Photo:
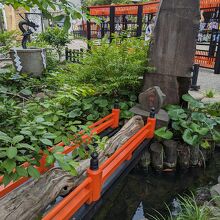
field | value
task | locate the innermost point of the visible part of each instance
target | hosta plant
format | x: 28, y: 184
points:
x: 194, y: 125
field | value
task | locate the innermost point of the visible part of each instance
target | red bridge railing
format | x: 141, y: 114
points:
x: 90, y: 189
x: 148, y: 8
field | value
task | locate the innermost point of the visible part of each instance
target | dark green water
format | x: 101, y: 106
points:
x: 138, y: 194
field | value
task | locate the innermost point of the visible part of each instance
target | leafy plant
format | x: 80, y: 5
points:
x: 56, y: 37
x: 7, y: 40
x: 114, y: 67
x: 48, y: 7
x: 210, y: 93
x: 193, y: 125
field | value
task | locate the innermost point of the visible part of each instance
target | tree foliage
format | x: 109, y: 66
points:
x: 48, y: 7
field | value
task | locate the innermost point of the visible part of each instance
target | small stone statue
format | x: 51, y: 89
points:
x: 28, y: 32
x: 152, y: 98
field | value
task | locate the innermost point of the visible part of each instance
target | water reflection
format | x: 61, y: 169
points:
x: 137, y: 195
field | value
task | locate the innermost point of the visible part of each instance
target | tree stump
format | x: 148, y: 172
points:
x: 183, y: 156
x: 170, y: 150
x: 29, y: 200
x: 157, y: 156
x: 194, y: 155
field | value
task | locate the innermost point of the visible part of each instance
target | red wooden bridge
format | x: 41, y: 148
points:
x: 148, y: 8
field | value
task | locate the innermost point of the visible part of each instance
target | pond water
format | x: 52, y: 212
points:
x: 141, y: 192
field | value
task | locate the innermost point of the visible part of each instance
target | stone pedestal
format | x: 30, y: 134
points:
x: 31, y: 61
x: 162, y: 116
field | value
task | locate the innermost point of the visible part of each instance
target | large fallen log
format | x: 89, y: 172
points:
x: 28, y: 201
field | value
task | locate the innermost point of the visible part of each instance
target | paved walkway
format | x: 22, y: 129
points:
x: 207, y: 80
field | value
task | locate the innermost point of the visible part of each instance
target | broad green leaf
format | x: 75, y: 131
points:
x: 47, y: 123
x: 176, y: 126
x: 164, y: 133
x: 4, y: 137
x: 58, y: 18
x: 197, y: 116
x: 24, y: 145
x: 65, y: 140
x: 87, y: 106
x: 172, y: 107
x: 192, y: 102
x: 39, y: 119
x: 21, y: 171
x: 200, y: 130
x: 49, y: 136
x: 90, y: 117
x: 50, y: 160
x: 190, y: 138
x: 26, y: 132
x: 103, y: 103
x: 21, y: 158
x: 209, y: 122
x: 67, y: 23
x: 188, y: 98
x: 75, y: 113
x: 126, y: 114
x: 27, y: 92
x: 65, y: 166
x: 6, y: 179
x: 58, y: 139
x: 9, y: 165
x: 217, y: 119
x: 46, y: 141
x: 133, y: 98
x: 123, y: 106
x: 57, y: 149
x: 73, y: 128
x: 73, y: 171
x: 33, y: 172
x: 205, y: 144
x: 81, y: 152
x: 59, y: 157
x: 216, y: 136
x: 177, y: 114
x: 17, y: 139
x: 11, y: 152
x: 2, y: 154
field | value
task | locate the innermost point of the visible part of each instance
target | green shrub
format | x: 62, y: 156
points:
x: 7, y: 40
x: 56, y: 37
x: 114, y: 67
x: 195, y: 126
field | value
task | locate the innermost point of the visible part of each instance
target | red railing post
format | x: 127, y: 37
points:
x: 151, y: 121
x: 95, y: 173
x: 116, y: 115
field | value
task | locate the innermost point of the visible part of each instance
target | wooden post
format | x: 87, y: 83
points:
x: 139, y: 20
x: 112, y: 22
x: 213, y: 43
x: 217, y: 60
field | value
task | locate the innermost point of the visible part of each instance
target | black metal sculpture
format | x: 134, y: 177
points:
x: 28, y: 32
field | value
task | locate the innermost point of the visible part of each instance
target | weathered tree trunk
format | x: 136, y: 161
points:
x: 157, y: 156
x: 28, y: 201
x: 127, y: 131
